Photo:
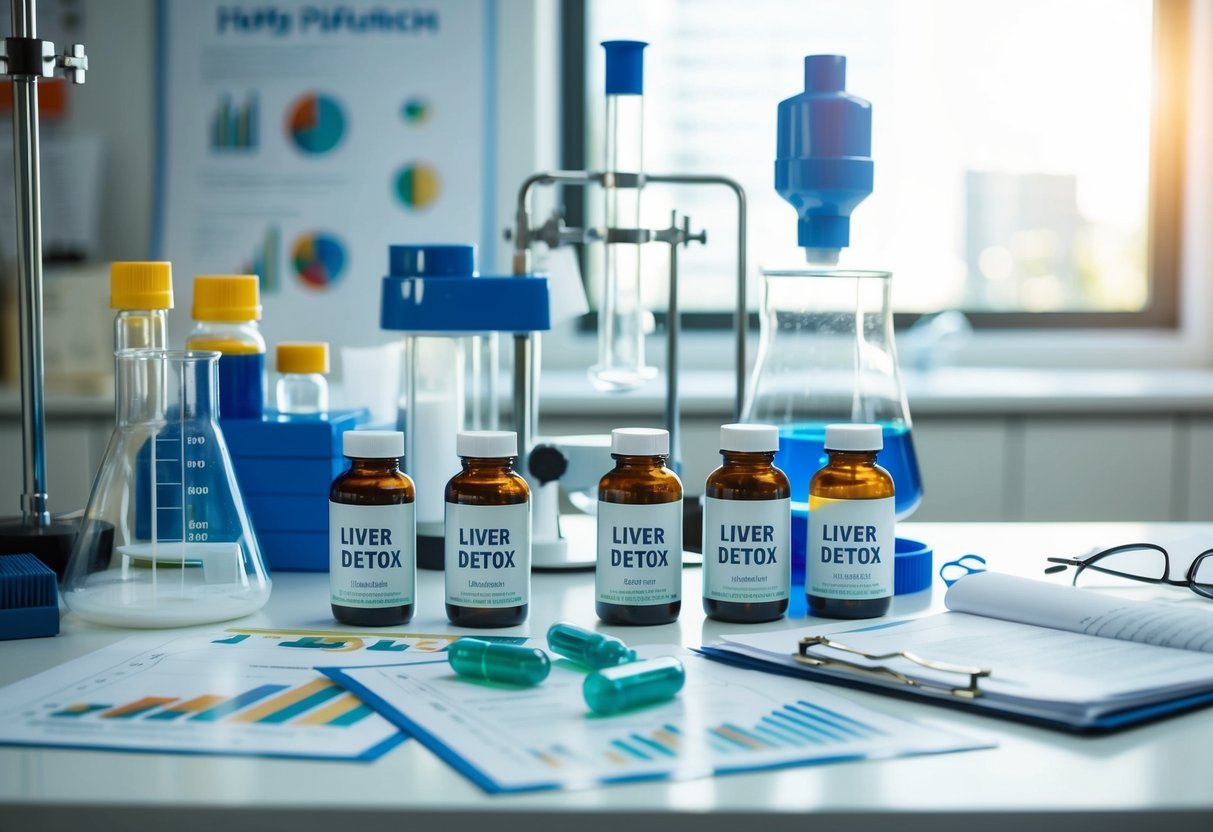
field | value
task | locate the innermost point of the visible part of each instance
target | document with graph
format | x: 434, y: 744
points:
x: 510, y: 739
x: 236, y: 691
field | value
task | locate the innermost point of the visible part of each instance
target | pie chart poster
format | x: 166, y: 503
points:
x: 298, y: 140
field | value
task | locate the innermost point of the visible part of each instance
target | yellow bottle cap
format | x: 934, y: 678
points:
x: 137, y: 285
x: 227, y: 297
x: 303, y: 357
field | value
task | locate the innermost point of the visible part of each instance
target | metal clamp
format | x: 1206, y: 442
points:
x: 74, y: 62
x: 36, y: 58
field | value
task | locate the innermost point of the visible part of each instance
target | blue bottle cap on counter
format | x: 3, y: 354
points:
x: 911, y: 566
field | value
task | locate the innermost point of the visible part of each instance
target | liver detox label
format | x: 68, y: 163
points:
x: 639, y: 553
x: 488, y: 555
x: 746, y: 550
x: 851, y: 548
x: 371, y: 554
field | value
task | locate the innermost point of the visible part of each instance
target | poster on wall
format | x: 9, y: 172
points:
x: 298, y: 139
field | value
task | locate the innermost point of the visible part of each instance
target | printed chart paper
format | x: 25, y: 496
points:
x: 237, y: 691
x: 725, y: 720
x: 298, y: 140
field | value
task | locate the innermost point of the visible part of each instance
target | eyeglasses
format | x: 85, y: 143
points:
x: 1146, y: 562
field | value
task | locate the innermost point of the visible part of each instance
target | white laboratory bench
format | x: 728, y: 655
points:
x: 1151, y: 777
x: 1140, y: 441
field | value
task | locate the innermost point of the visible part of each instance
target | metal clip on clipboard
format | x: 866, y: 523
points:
x: 971, y: 691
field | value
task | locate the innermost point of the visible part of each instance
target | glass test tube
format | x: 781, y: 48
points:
x: 621, y: 315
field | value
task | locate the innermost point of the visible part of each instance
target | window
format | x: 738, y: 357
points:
x: 1028, y: 152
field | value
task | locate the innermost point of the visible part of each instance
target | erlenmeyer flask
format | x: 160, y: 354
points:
x: 165, y: 540
x: 827, y: 355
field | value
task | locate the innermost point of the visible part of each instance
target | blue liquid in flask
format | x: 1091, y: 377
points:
x: 802, y: 454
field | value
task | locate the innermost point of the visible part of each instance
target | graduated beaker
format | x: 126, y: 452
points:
x: 827, y: 355
x: 165, y: 540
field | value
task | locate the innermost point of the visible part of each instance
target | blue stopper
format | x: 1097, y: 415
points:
x: 432, y: 261
x: 624, y: 67
x: 823, y: 163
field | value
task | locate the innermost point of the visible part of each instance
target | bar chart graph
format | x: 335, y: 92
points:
x: 797, y: 725
x: 235, y: 126
x: 723, y: 721
x: 273, y: 704
x: 239, y: 691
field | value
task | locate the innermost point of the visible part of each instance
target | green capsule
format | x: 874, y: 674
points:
x: 615, y: 689
x: 588, y: 647
x: 508, y: 663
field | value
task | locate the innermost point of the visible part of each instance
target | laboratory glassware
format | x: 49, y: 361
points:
x: 487, y: 534
x: 372, y: 504
x: 826, y: 354
x: 638, y: 576
x: 227, y: 308
x: 165, y: 540
x: 622, y: 316
x: 851, y: 503
x: 302, y: 388
x: 142, y: 294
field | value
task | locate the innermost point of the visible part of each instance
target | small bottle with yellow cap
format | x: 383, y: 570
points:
x: 226, y: 309
x: 302, y: 388
x: 142, y: 292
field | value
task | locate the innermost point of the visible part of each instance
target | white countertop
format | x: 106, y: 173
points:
x: 1040, y: 779
x: 941, y: 391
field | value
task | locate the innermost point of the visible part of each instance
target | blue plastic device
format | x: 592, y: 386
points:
x: 435, y: 289
x: 624, y: 67
x: 29, y: 599
x: 823, y: 156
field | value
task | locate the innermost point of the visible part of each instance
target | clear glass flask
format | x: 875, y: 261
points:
x: 826, y: 355
x: 165, y: 540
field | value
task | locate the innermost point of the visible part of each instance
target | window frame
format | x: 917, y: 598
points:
x: 1172, y: 66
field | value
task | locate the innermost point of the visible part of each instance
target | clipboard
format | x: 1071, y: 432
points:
x: 948, y: 684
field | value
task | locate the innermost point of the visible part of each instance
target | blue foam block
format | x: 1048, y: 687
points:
x: 29, y: 599
x: 302, y: 477
x: 289, y: 512
x: 293, y: 437
x: 295, y: 551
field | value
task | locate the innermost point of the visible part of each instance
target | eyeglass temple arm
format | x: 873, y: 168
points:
x: 1061, y: 564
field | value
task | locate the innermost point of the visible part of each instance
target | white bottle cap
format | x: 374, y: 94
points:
x: 373, y: 444
x: 749, y: 438
x: 486, y: 444
x: 852, y: 437
x: 640, y: 442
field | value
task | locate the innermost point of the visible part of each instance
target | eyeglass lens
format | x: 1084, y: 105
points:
x: 1202, y: 575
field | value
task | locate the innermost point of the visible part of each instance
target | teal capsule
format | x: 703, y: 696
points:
x: 588, y: 647
x: 508, y: 663
x: 615, y: 689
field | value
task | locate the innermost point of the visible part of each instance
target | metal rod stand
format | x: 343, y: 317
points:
x: 25, y: 59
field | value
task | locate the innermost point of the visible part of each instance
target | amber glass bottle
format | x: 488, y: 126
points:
x: 849, y: 565
x: 372, y: 533
x: 747, y: 569
x: 488, y: 534
x: 638, y: 576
